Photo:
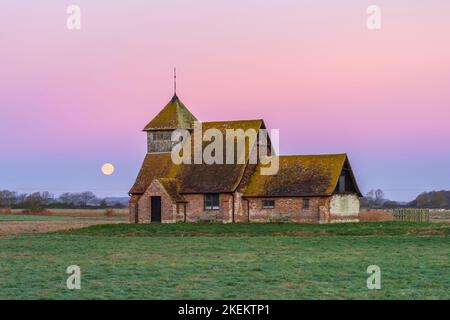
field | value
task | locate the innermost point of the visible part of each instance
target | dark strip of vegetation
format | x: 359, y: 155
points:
x: 273, y: 229
x: 426, y: 200
x: 39, y: 201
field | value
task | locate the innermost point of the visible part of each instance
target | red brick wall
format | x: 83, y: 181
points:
x: 168, y: 207
x: 133, y: 212
x: 195, y: 208
x: 286, y: 209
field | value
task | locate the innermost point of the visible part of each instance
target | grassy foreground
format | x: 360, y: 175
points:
x: 272, y: 261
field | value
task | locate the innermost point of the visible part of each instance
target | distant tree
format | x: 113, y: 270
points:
x: 47, y: 198
x: 438, y: 200
x: 379, y: 197
x: 412, y: 204
x: 76, y: 199
x: 370, y: 196
x: 103, y: 204
x: 432, y: 200
x: 374, y: 199
x: 391, y: 204
x: 368, y: 200
x: 20, y: 200
x: 82, y: 199
x: 118, y: 205
x: 86, y: 197
x: 66, y: 199
x: 7, y: 198
x: 34, y: 202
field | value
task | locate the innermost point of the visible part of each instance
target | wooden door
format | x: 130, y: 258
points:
x: 155, y: 209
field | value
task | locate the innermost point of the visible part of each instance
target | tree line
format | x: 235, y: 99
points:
x: 38, y: 201
x: 432, y: 200
x: 425, y: 200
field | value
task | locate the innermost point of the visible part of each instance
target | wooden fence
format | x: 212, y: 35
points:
x: 412, y: 214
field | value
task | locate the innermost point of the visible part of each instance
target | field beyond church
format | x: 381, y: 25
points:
x: 241, y: 261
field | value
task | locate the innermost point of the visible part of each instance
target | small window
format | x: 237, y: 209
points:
x: 342, y: 184
x: 212, y: 201
x: 268, y: 204
x: 305, y: 203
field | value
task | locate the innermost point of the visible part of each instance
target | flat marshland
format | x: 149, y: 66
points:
x: 234, y: 261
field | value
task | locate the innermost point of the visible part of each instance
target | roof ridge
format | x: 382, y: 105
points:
x: 221, y: 121
x: 166, y: 178
x: 313, y: 155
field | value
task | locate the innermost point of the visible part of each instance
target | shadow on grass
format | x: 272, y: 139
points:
x: 272, y: 229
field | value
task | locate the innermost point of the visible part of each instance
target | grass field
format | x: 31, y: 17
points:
x: 15, y: 224
x: 24, y: 217
x: 71, y: 212
x: 214, y: 261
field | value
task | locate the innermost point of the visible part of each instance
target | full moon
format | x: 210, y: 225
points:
x: 107, y: 169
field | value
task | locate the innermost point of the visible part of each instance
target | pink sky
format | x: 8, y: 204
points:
x: 72, y: 100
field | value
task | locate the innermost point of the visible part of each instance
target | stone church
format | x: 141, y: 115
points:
x: 307, y: 188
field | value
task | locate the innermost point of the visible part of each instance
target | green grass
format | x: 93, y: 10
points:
x: 215, y: 261
x: 272, y: 229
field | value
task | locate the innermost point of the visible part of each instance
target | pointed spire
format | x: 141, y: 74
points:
x: 174, y: 115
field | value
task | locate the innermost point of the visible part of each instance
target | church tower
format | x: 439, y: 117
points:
x: 173, y: 116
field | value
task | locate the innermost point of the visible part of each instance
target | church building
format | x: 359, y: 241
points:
x: 307, y: 188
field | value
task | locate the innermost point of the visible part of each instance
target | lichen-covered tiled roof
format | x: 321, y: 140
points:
x: 134, y: 198
x: 172, y: 189
x: 155, y: 165
x: 201, y: 178
x: 197, y: 178
x: 298, y: 175
x: 174, y: 115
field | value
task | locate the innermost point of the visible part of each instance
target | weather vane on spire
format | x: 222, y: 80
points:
x: 175, y: 81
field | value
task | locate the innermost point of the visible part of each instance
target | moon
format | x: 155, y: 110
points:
x: 107, y: 169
